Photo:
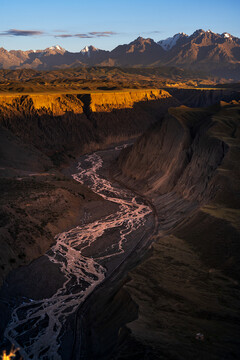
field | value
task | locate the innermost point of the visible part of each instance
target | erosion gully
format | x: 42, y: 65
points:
x: 36, y: 327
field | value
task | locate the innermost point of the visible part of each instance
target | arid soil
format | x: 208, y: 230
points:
x: 177, y: 296
x: 103, y: 78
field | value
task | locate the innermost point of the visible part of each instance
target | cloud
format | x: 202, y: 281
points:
x: 89, y: 35
x: 16, y: 32
x: 102, y: 33
x: 60, y: 31
x: 152, y: 32
x: 65, y: 34
x: 82, y: 36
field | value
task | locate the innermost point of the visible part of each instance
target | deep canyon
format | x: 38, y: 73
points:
x: 141, y: 190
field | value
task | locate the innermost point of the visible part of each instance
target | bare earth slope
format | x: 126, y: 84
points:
x: 190, y: 282
x: 193, y: 155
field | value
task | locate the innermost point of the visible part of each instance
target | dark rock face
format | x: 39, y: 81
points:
x: 177, y: 155
x: 203, y: 98
x: 191, y: 158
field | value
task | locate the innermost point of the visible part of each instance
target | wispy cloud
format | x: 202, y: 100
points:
x: 17, y: 32
x: 93, y: 34
x: 60, y: 31
x: 64, y: 34
x: 82, y: 36
x: 102, y: 33
x: 153, y: 32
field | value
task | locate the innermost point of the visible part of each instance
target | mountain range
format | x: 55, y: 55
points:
x: 209, y: 52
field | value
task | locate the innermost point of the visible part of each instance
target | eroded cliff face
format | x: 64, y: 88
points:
x: 204, y: 97
x: 76, y: 123
x: 178, y: 155
x: 190, y: 162
x: 58, y: 124
x: 105, y: 102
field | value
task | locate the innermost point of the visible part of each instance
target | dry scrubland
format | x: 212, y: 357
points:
x: 88, y: 79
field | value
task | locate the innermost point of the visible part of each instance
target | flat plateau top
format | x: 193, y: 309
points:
x: 82, y: 91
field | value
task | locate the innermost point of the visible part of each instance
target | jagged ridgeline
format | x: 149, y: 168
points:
x: 205, y: 51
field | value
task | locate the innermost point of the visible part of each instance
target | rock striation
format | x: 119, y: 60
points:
x: 81, y: 122
x: 187, y: 162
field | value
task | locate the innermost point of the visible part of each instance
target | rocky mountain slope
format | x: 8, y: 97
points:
x: 215, y: 54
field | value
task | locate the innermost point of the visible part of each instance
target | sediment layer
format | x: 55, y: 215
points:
x: 77, y: 123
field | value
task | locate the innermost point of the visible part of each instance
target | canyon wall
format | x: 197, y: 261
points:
x: 190, y: 161
x: 204, y: 97
x: 79, y: 123
x: 188, y: 166
x: 177, y: 155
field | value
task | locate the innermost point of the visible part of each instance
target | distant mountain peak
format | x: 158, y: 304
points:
x: 88, y: 50
x: 141, y: 40
x: 198, y: 32
x: 206, y: 51
x: 56, y: 48
x: 168, y: 43
x: 226, y: 36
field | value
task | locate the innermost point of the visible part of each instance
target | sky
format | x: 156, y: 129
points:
x: 73, y: 24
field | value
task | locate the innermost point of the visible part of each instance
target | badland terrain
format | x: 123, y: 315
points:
x: 168, y: 131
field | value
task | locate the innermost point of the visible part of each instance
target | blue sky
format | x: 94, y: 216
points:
x: 105, y: 24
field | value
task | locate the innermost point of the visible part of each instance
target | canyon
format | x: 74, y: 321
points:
x: 155, y: 167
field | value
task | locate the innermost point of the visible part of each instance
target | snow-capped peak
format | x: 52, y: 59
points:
x: 56, y: 47
x: 227, y: 35
x: 88, y: 49
x: 85, y: 49
x: 168, y: 43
